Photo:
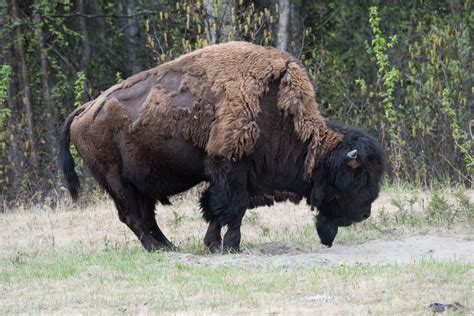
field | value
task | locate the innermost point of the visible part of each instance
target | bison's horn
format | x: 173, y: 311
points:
x: 352, y: 154
x: 351, y: 160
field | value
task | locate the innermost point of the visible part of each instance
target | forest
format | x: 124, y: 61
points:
x: 402, y: 70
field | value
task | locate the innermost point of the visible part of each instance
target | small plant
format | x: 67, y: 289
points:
x: 466, y: 208
x: 177, y: 219
x: 118, y: 77
x: 265, y: 230
x: 251, y: 217
x: 405, y: 214
x: 193, y: 245
x: 439, y: 210
x: 383, y: 217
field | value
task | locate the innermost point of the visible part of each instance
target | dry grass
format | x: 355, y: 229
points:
x: 70, y: 259
x: 134, y: 281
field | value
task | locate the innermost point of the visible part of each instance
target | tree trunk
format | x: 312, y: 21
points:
x: 282, y: 39
x: 7, y: 165
x: 86, y: 46
x: 296, y: 39
x: 132, y: 37
x: 219, y: 20
x: 50, y: 113
x: 27, y: 99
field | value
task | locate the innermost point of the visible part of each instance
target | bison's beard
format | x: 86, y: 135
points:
x: 327, y: 230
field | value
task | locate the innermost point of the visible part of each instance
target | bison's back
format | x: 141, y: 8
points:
x: 206, y: 103
x: 133, y: 131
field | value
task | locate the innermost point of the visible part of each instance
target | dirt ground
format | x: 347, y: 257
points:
x: 98, y: 226
x: 407, y: 249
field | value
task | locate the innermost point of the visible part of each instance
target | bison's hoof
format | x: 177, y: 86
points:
x: 155, y: 245
x: 231, y: 249
x: 214, y: 248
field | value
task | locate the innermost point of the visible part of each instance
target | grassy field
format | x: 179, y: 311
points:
x: 412, y: 252
x: 131, y: 280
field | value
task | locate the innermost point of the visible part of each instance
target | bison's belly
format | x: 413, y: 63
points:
x: 162, y: 166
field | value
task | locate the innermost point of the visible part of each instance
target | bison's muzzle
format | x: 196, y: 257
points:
x: 327, y: 230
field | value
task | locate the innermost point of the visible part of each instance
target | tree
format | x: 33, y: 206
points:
x: 284, y: 7
x: 218, y: 21
x: 25, y: 86
x: 131, y: 33
x: 86, y: 46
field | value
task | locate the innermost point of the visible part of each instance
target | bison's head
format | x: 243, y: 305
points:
x: 346, y: 182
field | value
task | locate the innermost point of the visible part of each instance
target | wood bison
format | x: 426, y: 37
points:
x: 241, y: 117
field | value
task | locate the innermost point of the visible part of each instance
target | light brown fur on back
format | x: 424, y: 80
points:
x: 214, y: 93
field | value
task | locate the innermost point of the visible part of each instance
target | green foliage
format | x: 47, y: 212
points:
x: 118, y: 77
x: 5, y: 77
x: 387, y: 78
x: 460, y: 137
x: 79, y: 87
x: 393, y: 86
x: 199, y: 28
x: 441, y: 208
x: 412, y: 90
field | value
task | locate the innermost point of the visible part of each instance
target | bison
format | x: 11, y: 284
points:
x: 239, y: 116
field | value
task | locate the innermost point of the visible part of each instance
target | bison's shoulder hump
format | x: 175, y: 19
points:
x: 220, y: 88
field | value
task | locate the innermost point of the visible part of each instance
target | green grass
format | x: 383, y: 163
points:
x: 129, y: 279
x: 83, y: 260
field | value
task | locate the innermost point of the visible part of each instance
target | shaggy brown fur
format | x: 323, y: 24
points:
x: 240, y: 74
x: 216, y: 92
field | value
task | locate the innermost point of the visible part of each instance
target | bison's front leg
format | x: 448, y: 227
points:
x: 225, y: 203
x: 213, y: 239
x: 232, y: 236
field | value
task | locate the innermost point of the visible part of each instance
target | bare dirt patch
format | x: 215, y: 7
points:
x: 409, y: 248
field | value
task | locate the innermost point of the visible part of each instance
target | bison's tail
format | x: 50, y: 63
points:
x: 65, y: 158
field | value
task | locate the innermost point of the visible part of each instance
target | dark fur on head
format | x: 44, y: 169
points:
x: 343, y: 192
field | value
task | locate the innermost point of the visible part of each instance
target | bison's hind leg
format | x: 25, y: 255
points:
x: 137, y: 212
x: 148, y: 216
